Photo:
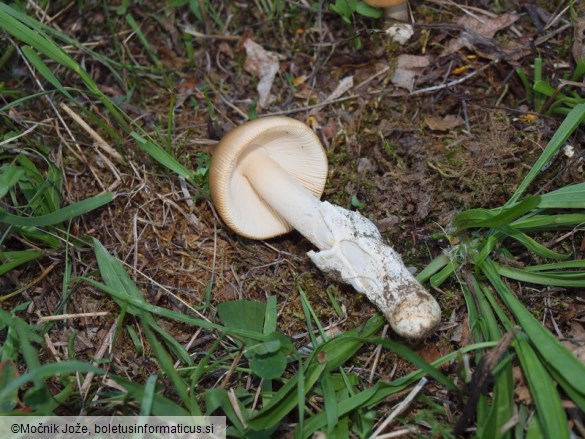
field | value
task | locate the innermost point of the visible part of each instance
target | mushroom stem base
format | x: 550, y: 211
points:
x: 360, y: 258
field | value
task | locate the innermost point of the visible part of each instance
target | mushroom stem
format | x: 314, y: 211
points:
x: 350, y: 245
x: 286, y: 196
x: 397, y: 12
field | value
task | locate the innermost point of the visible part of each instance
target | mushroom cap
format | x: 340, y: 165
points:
x: 384, y: 3
x: 289, y: 143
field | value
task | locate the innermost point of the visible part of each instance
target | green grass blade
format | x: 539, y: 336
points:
x: 542, y: 388
x: 413, y: 358
x: 329, y: 402
x: 142, y: 38
x: 270, y: 316
x: 559, y: 279
x: 47, y: 371
x: 538, y: 96
x: 161, y: 406
x: 492, y: 330
x: 302, y: 390
x: 568, y: 126
x: 525, y: 83
x: 470, y: 218
x: 9, y: 176
x: 433, y: 267
x: 444, y: 274
x: 147, y: 399
x: 11, y: 260
x: 32, y: 33
x: 19, y: 26
x: 549, y: 222
x: 44, y: 70
x: 328, y: 356
x: 173, y: 315
x: 161, y: 156
x: 551, y: 414
x: 531, y: 244
x: 544, y: 88
x: 64, y: 214
x: 217, y: 398
x: 555, y: 355
x: 166, y: 364
x: 287, y: 398
x: 502, y: 404
x: 567, y: 197
x: 381, y: 390
x: 475, y: 322
x: 115, y: 277
x: 577, y: 263
x: 176, y: 347
x: 495, y: 217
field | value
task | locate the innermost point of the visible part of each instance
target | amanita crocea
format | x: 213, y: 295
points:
x: 393, y: 9
x: 266, y: 178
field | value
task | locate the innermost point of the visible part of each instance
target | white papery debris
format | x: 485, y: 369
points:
x: 400, y: 32
x: 265, y: 65
x: 358, y: 256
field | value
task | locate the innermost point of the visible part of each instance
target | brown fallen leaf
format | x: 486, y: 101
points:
x: 444, y: 123
x: 487, y: 27
x: 521, y: 390
x: 576, y: 340
x: 478, y: 35
x: 408, y: 67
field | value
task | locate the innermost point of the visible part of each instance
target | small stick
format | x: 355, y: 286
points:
x: 311, y: 107
x: 24, y: 133
x: 188, y: 346
x: 99, y: 141
x: 236, y: 406
x: 452, y: 83
x: 231, y: 370
x: 30, y: 284
x: 189, y: 30
x: 400, y: 408
x: 377, y: 354
x: 73, y: 316
x: 98, y: 356
x: 52, y: 348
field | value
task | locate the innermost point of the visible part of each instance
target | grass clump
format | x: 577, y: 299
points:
x: 485, y: 254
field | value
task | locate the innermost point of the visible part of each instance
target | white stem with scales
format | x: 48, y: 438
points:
x: 350, y: 247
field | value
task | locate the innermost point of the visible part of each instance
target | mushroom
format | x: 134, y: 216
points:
x: 393, y: 9
x: 266, y: 179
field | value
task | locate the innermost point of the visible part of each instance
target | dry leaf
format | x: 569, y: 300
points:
x: 478, y: 35
x: 264, y: 65
x: 408, y: 67
x: 521, y: 389
x: 578, y: 48
x: 576, y: 340
x: 445, y: 123
x: 488, y: 26
x: 344, y: 85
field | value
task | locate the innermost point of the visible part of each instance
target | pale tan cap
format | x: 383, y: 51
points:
x: 289, y: 143
x: 384, y: 3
